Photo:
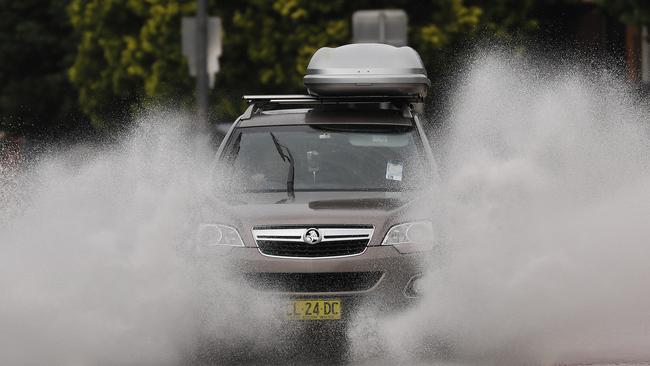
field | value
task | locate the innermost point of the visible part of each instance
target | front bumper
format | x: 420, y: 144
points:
x: 393, y: 270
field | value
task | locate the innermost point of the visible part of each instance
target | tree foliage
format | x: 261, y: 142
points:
x: 36, y: 48
x: 128, y: 54
x: 129, y: 50
x: 111, y: 57
x: 633, y: 12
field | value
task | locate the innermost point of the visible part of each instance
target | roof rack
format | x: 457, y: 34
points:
x: 258, y: 102
x: 314, y: 99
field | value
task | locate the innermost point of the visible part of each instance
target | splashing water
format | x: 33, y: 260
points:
x: 95, y: 266
x: 547, y: 194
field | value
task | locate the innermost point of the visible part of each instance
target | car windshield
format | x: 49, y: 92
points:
x: 324, y: 158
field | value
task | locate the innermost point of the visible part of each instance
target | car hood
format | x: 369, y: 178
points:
x: 379, y: 209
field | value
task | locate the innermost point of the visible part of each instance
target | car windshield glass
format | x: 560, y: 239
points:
x: 322, y: 158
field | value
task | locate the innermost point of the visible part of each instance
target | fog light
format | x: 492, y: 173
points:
x: 415, y: 287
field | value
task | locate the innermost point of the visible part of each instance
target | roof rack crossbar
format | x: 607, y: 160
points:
x: 312, y: 99
x: 257, y: 103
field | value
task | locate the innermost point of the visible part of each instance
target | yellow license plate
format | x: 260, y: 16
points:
x: 314, y: 309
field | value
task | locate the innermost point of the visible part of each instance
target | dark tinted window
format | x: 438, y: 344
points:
x: 373, y: 158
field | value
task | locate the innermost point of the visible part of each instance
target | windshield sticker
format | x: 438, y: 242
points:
x: 380, y: 139
x: 324, y: 135
x: 394, y: 170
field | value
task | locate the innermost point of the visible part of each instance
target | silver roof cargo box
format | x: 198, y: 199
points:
x: 366, y: 69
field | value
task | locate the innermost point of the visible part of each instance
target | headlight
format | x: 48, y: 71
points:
x: 411, y: 237
x: 215, y: 234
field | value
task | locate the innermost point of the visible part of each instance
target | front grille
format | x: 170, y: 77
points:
x: 313, y: 282
x: 334, y: 241
x: 331, y: 249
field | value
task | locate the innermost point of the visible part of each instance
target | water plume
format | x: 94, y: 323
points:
x: 96, y: 262
x: 547, y: 198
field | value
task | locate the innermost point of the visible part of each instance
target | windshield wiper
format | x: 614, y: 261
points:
x: 288, y: 158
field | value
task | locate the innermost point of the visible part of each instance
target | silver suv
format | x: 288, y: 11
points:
x: 324, y: 192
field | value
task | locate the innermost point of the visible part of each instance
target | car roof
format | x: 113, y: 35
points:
x: 327, y: 115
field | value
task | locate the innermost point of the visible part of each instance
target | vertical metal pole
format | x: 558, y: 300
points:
x: 632, y: 52
x: 201, y: 60
x: 645, y: 55
x: 382, y: 27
